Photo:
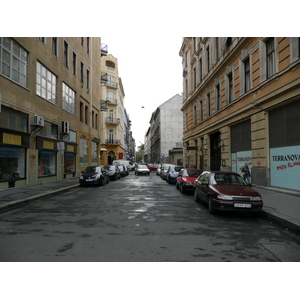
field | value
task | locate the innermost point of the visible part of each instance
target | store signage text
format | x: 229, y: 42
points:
x: 48, y: 145
x: 12, y: 139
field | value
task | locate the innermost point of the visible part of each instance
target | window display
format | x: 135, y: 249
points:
x: 12, y: 163
x: 46, y: 163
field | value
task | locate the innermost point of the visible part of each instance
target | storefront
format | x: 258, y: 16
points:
x: 13, y: 146
x: 70, y: 159
x: 284, y: 124
x: 47, y: 157
x: 241, y: 153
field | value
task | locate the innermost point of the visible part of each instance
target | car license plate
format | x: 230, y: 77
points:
x: 89, y: 179
x: 243, y: 205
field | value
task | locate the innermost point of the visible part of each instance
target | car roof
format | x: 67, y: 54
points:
x: 221, y: 172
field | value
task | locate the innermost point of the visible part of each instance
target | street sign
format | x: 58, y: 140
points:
x: 61, y: 146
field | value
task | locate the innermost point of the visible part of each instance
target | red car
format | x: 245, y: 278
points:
x: 152, y: 167
x: 186, y: 178
x: 226, y: 191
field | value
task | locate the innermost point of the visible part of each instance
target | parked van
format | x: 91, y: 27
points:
x: 126, y: 163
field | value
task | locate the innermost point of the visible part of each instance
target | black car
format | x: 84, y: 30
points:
x: 94, y: 175
x: 113, y: 172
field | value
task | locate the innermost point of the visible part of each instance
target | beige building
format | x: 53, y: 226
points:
x: 50, y: 93
x: 241, y: 104
x: 112, y: 126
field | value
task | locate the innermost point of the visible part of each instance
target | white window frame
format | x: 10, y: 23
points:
x: 68, y: 99
x: 295, y: 49
x: 17, y: 63
x: 45, y: 83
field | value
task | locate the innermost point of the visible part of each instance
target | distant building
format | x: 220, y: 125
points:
x: 241, y: 104
x: 166, y: 129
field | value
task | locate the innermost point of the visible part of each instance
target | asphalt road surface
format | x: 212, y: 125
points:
x: 137, y: 219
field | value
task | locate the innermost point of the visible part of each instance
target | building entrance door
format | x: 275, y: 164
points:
x: 215, y: 151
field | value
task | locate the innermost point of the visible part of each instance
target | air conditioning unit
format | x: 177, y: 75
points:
x: 65, y: 127
x: 38, y: 121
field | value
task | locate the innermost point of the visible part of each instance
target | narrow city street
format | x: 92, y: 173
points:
x: 137, y: 219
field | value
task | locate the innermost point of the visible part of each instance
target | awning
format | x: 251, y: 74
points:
x: 103, y: 149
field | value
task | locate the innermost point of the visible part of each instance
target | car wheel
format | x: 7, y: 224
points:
x: 101, y: 181
x: 182, y: 189
x: 211, y: 208
x: 196, y: 198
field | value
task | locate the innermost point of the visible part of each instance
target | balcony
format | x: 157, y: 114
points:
x: 103, y: 50
x: 110, y: 120
x: 112, y: 142
x: 112, y: 101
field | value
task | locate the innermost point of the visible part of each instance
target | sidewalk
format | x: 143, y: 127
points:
x: 280, y: 206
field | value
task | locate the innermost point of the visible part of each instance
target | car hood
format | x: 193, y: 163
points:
x: 189, y: 179
x: 235, y: 190
x: 87, y: 175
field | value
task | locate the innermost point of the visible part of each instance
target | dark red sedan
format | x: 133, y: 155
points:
x: 226, y: 191
x: 152, y: 167
x: 185, y: 179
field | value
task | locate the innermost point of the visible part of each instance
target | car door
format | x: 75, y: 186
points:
x: 203, y: 186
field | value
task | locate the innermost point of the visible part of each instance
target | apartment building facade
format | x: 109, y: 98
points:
x: 166, y: 129
x: 241, y: 104
x: 50, y: 108
x: 112, y: 126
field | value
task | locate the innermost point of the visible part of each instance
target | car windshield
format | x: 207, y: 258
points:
x: 175, y: 169
x: 231, y: 179
x: 92, y: 170
x: 191, y: 173
x: 142, y: 167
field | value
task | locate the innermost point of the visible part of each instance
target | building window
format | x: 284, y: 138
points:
x: 93, y: 119
x: 88, y: 45
x: 45, y: 83
x: 82, y: 41
x: 13, y: 119
x: 229, y: 87
x: 295, y: 48
x: 49, y: 130
x: 96, y: 121
x: 74, y: 63
x: 194, y: 44
x: 81, y: 71
x: 195, y: 81
x: 201, y: 110
x: 195, y: 115
x: 247, y: 74
x: 86, y: 114
x: 208, y: 110
x: 94, y: 153
x: 88, y: 78
x: 68, y: 99
x: 200, y: 69
x: 217, y: 48
x: 46, y: 163
x: 270, y: 57
x: 81, y: 112
x: 12, y: 163
x: 43, y: 40
x: 84, y: 146
x: 208, y: 58
x: 186, y: 89
x: 13, y: 61
x: 54, y: 46
x: 111, y: 136
x: 217, y: 98
x: 66, y: 53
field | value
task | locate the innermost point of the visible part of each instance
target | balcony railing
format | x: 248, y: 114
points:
x: 112, y: 101
x: 110, y: 120
x: 114, y: 142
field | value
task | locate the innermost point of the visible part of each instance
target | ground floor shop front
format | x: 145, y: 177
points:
x: 268, y: 141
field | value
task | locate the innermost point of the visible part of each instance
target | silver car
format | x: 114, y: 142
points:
x: 142, y: 169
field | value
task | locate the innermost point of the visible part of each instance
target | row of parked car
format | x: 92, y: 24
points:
x: 100, y: 175
x: 221, y: 191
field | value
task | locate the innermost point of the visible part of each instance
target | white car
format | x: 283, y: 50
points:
x: 142, y: 169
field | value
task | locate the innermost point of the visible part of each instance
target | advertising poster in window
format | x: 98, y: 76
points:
x: 242, y: 158
x: 285, y: 167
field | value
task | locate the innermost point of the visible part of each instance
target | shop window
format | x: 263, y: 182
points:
x: 46, y: 163
x: 83, y: 160
x: 12, y: 163
x: 69, y: 163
